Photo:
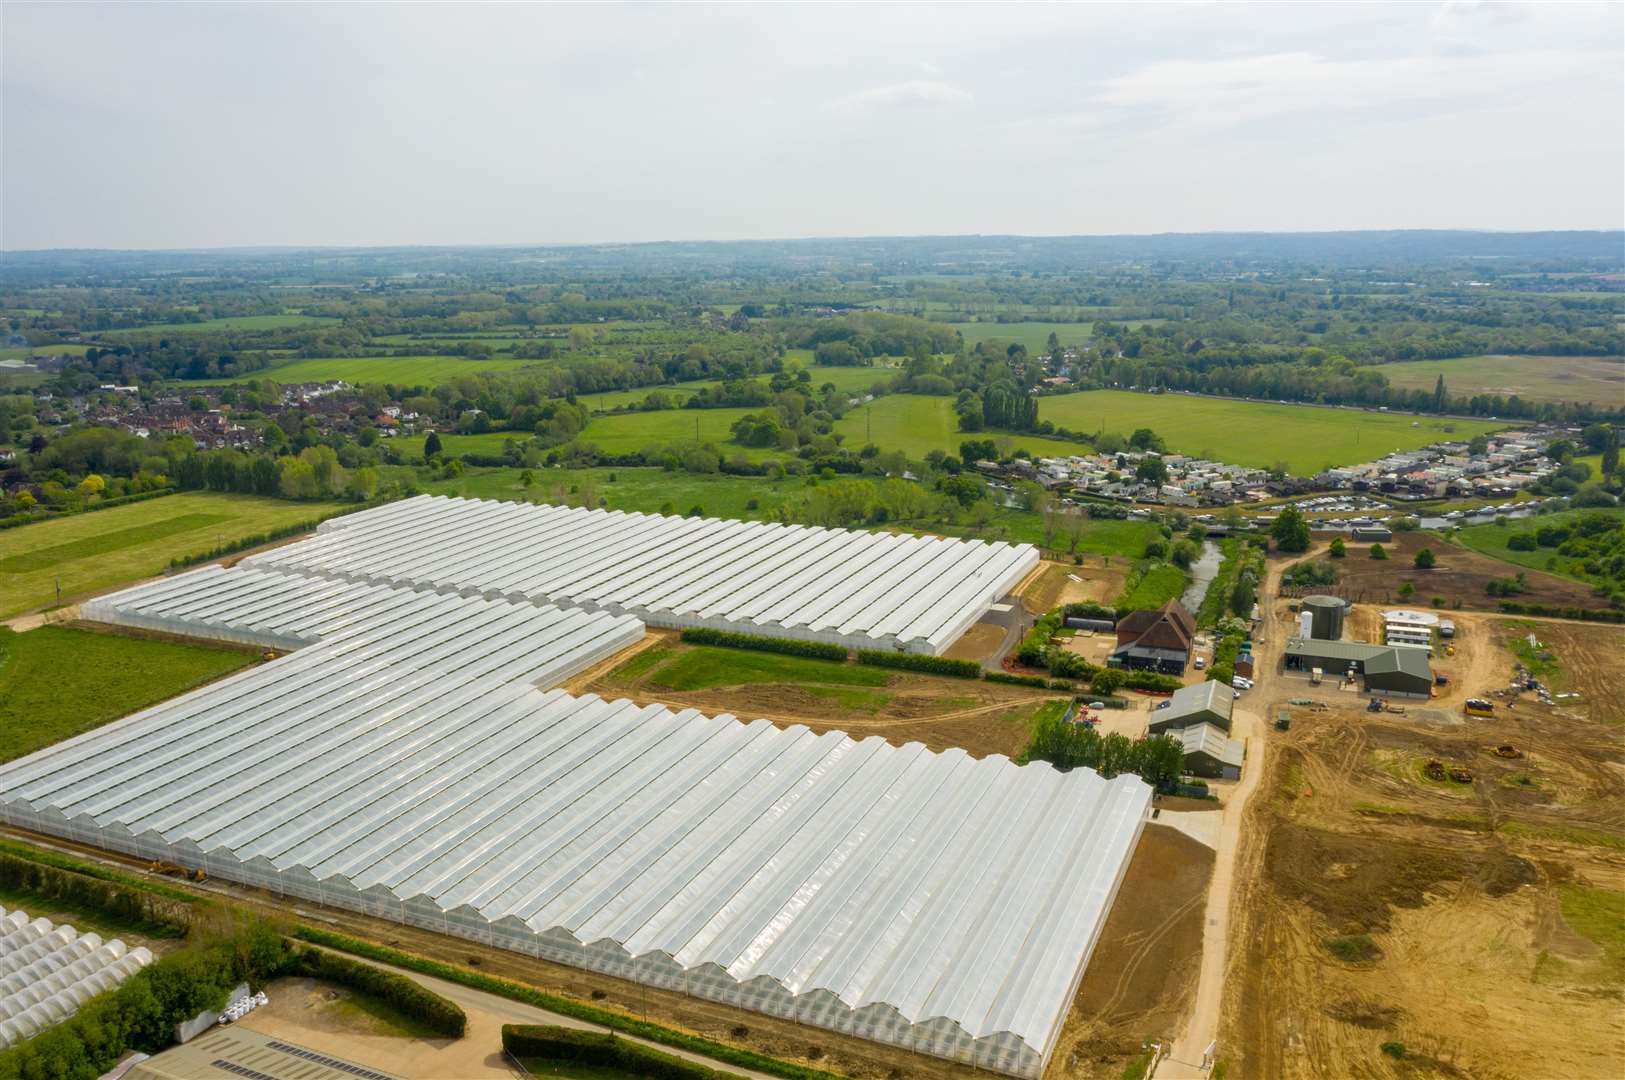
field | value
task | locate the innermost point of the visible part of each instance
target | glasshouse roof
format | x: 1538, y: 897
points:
x: 860, y: 589
x: 410, y: 768
x: 47, y: 971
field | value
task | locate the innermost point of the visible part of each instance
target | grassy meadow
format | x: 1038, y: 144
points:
x: 1491, y: 539
x: 91, y: 553
x: 917, y: 424
x: 852, y: 379
x: 56, y: 682
x: 400, y: 370
x: 1533, y: 378
x: 1306, y: 438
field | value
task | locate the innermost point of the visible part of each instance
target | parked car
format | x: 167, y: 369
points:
x: 1241, y: 682
x: 1201, y: 663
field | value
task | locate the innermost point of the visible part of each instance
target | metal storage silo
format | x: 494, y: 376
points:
x: 1326, y: 617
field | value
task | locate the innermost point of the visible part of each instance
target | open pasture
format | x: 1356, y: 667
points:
x: 1033, y: 335
x: 1533, y: 378
x: 1304, y: 438
x: 917, y: 424
x: 853, y: 379
x: 356, y: 370
x: 91, y: 553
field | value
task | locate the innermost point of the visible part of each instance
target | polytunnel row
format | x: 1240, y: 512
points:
x: 858, y: 589
x: 48, y: 971
x: 932, y: 901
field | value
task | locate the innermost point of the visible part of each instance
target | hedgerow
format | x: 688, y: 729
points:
x: 603, y: 1049
x: 405, y: 996
x: 728, y: 639
x: 933, y: 665
x: 643, y: 1029
x: 1017, y: 680
x: 146, y: 912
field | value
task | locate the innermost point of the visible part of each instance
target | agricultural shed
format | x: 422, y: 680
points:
x: 1211, y: 753
x: 47, y: 971
x: 225, y: 1052
x: 1209, y: 702
x: 1401, y: 670
x: 410, y: 769
x: 858, y: 589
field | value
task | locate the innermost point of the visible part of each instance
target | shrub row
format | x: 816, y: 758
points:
x: 933, y: 665
x: 733, y: 1055
x: 1150, y: 680
x: 819, y: 650
x: 402, y: 994
x: 1017, y: 680
x: 1512, y: 607
x: 26, y: 518
x: 1088, y: 609
x: 90, y: 870
x: 1031, y: 650
x: 154, y: 915
x: 603, y: 1049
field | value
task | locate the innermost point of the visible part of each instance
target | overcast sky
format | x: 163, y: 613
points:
x: 152, y: 125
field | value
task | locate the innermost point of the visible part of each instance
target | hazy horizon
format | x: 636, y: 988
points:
x: 169, y: 127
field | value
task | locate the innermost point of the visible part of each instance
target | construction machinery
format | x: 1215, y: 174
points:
x: 1507, y: 750
x: 1434, y: 769
x: 169, y: 869
x: 1374, y: 705
x: 1461, y: 775
x: 1479, y: 707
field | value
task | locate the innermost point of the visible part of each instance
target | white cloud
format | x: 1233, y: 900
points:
x: 917, y: 92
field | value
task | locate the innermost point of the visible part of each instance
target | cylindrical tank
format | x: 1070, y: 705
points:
x: 1326, y: 616
x: 1306, y: 624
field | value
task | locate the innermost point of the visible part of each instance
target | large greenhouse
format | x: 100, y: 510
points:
x: 407, y: 765
x: 863, y: 590
x: 47, y: 971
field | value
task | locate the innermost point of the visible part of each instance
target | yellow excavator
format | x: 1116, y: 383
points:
x: 170, y: 869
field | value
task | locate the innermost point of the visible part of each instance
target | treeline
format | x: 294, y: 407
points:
x: 1158, y: 760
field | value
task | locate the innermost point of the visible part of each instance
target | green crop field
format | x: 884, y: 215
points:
x: 56, y: 682
x: 917, y: 424
x: 1533, y: 378
x: 400, y: 370
x: 235, y: 322
x: 91, y: 553
x: 706, y: 667
x: 1305, y: 438
x: 23, y: 352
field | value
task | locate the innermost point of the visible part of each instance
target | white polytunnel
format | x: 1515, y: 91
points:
x: 412, y: 764
x: 47, y: 972
x: 859, y: 589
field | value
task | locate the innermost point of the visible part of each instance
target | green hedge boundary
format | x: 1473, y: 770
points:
x: 147, y: 912
x: 817, y: 650
x: 402, y: 994
x: 628, y: 1025
x: 45, y: 857
x: 603, y: 1049
x: 17, y: 521
x: 1017, y: 680
x: 934, y: 665
x: 1512, y: 607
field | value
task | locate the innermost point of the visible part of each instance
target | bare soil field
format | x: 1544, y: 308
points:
x: 1143, y: 971
x: 1100, y: 580
x: 1382, y: 902
x: 1460, y: 575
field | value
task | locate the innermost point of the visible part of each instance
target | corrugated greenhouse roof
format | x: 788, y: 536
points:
x: 49, y: 970
x: 861, y: 589
x: 408, y: 766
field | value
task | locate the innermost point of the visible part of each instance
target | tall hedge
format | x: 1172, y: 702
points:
x: 817, y: 650
x: 152, y: 914
x: 932, y: 665
x: 603, y: 1049
x: 400, y: 993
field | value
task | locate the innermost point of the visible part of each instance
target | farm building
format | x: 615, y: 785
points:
x: 1373, y: 534
x: 406, y: 764
x: 47, y: 971
x: 1209, y: 702
x: 224, y: 1052
x: 1211, y: 753
x: 859, y: 589
x: 1413, y: 628
x: 1387, y: 669
x: 1155, y: 640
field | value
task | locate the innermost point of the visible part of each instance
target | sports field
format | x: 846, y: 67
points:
x: 92, y: 553
x: 1305, y: 438
x: 56, y: 682
x: 917, y: 424
x: 235, y: 322
x: 400, y: 370
x: 1533, y: 378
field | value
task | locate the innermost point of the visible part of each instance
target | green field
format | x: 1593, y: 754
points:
x: 22, y: 352
x: 917, y: 424
x: 705, y: 667
x: 625, y: 433
x: 854, y: 379
x: 91, y: 553
x: 1161, y: 583
x: 235, y: 322
x: 1533, y: 378
x: 400, y: 370
x: 1305, y: 438
x: 1033, y: 335
x: 1491, y: 540
x: 56, y: 682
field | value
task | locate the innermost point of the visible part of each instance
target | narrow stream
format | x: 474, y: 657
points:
x: 1202, y: 571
